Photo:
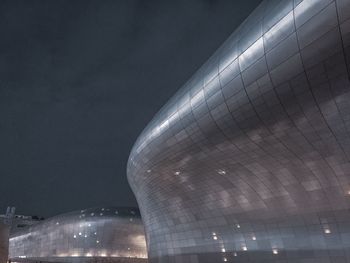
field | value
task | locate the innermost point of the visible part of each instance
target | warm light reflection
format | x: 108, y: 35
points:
x: 327, y: 231
x: 134, y: 247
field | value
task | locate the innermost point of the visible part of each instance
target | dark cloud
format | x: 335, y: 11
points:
x: 79, y: 80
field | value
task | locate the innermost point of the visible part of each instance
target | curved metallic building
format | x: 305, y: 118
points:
x: 90, y: 235
x: 249, y: 161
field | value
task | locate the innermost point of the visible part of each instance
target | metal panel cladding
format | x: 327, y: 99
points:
x: 90, y: 235
x: 249, y: 161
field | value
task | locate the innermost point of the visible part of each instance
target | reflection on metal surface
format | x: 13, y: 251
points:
x: 250, y: 160
x: 117, y: 236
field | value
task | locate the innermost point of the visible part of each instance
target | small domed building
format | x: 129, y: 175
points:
x: 91, y: 235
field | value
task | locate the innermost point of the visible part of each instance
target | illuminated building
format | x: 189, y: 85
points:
x: 249, y: 161
x: 98, y: 234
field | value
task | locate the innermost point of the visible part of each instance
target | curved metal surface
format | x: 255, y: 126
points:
x: 91, y: 235
x: 249, y: 161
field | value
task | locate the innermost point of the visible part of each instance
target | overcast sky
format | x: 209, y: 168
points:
x: 79, y: 80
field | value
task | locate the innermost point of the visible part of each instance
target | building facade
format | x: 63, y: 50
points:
x: 250, y: 160
x: 4, y: 242
x: 90, y: 235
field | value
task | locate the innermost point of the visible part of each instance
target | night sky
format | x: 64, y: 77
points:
x: 79, y: 80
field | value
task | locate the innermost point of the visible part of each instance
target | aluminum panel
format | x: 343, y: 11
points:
x: 90, y: 235
x: 259, y: 169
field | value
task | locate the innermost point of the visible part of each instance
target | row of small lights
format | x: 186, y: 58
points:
x: 106, y: 255
x: 220, y: 171
x: 274, y: 251
x: 92, y: 214
x: 80, y: 234
x: 244, y: 247
x: 103, y: 209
